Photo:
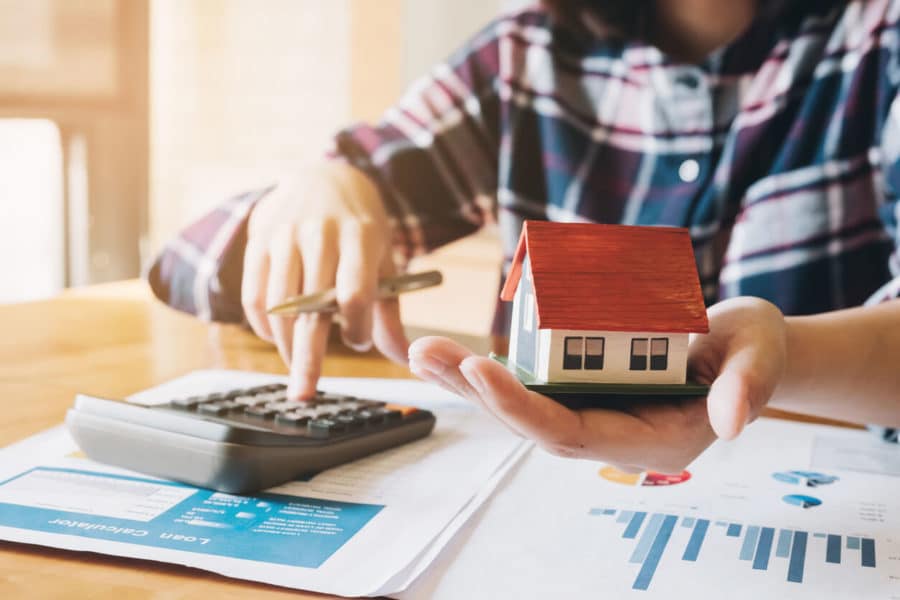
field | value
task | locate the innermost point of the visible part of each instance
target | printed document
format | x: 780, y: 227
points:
x: 364, y: 528
x: 787, y: 510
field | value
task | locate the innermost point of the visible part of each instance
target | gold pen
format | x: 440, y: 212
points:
x: 326, y: 301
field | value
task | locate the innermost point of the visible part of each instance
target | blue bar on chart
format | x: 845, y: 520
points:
x: 868, y: 552
x: 756, y: 547
x: 833, y: 549
x: 645, y: 575
x: 763, y: 549
x: 624, y: 516
x: 749, y: 543
x: 783, y: 550
x: 696, y: 541
x: 798, y: 557
x: 634, y: 526
x: 647, y: 538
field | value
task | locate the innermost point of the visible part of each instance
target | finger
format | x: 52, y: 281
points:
x: 437, y: 359
x: 254, y: 281
x: 544, y: 420
x: 285, y: 280
x: 600, y: 434
x: 629, y: 469
x: 731, y: 396
x: 388, y: 333
x: 318, y: 249
x: 357, y: 282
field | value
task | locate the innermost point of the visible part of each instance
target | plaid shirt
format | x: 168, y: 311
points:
x: 780, y: 153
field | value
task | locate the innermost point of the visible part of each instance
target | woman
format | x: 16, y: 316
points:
x: 768, y: 128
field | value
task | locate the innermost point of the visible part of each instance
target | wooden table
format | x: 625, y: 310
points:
x: 110, y: 341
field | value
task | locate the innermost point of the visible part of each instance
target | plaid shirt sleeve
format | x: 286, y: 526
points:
x: 433, y: 158
x: 434, y: 155
x: 200, y: 271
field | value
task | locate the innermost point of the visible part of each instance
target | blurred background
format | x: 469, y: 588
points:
x: 123, y: 120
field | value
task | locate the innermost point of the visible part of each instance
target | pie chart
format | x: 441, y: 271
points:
x: 802, y: 501
x: 645, y: 479
x: 805, y: 478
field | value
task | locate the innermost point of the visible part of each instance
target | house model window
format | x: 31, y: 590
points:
x: 603, y: 303
x: 583, y: 353
x: 658, y: 350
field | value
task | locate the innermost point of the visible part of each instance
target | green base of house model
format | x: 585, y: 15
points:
x: 603, y: 394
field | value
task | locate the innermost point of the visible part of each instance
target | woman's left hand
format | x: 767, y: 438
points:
x: 742, y: 357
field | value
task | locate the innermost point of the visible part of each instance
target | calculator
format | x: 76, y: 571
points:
x: 242, y: 440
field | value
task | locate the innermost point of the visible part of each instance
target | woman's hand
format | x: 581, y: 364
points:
x: 324, y: 228
x: 742, y: 357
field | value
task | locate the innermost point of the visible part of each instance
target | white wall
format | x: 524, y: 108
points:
x: 32, y: 255
x: 241, y: 91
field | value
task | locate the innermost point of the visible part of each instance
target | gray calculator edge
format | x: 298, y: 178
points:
x: 206, y: 459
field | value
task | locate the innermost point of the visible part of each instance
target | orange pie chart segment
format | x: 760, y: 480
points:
x: 648, y: 478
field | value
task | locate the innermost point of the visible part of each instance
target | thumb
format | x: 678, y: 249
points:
x: 737, y: 393
x: 525, y: 412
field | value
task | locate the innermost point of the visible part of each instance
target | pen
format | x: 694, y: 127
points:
x: 326, y: 301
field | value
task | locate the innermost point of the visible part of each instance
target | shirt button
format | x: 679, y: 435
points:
x: 689, y: 170
x: 688, y: 80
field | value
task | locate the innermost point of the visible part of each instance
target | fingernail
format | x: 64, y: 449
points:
x: 363, y: 346
x: 424, y: 373
x: 435, y: 365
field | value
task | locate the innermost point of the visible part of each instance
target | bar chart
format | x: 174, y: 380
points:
x: 758, y: 545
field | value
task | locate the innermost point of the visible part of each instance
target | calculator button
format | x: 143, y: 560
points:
x: 328, y: 398
x: 217, y: 397
x: 370, y: 403
x: 249, y: 401
x: 351, y: 422
x: 292, y: 418
x: 275, y: 387
x: 260, y: 412
x: 324, y: 427
x: 388, y: 416
x: 285, y: 406
x: 214, y: 409
x: 370, y: 417
x: 187, y: 403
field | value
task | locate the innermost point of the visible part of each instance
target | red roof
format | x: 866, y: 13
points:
x: 611, y: 277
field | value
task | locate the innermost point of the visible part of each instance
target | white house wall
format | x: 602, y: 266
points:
x: 616, y: 358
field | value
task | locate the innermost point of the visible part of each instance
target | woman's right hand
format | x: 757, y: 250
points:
x: 324, y: 228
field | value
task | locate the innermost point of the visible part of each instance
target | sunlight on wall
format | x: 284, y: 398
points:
x: 32, y: 259
x: 241, y: 92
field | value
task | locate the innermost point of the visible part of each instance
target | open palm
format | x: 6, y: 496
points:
x: 742, y: 358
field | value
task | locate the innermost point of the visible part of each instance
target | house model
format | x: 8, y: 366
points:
x: 603, y: 303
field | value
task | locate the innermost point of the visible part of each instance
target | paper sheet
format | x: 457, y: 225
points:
x: 760, y: 517
x: 360, y: 529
